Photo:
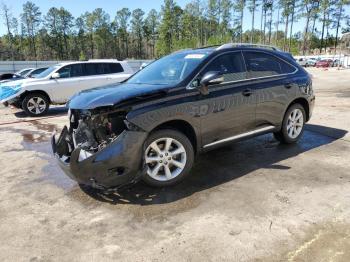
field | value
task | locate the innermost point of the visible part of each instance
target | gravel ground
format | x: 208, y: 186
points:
x: 255, y: 200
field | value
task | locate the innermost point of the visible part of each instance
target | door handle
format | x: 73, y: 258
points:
x: 247, y: 92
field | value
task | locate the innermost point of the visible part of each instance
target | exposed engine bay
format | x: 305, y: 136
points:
x: 91, y: 132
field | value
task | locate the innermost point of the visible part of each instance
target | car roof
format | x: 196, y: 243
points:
x: 235, y: 46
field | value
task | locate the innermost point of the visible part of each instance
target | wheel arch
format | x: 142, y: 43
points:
x: 24, y: 94
x: 182, y: 126
x: 305, y: 104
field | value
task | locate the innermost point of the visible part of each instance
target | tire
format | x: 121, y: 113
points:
x: 161, y: 169
x: 293, y: 125
x: 35, y: 104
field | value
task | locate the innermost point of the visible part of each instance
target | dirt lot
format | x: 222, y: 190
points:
x: 252, y: 201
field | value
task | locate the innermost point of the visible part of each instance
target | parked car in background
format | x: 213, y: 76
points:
x: 324, y: 63
x: 311, y: 61
x: 152, y: 125
x: 24, y: 71
x: 58, y: 83
x: 336, y: 63
x: 13, y: 78
x: 6, y: 76
x: 302, y: 61
x: 35, y: 72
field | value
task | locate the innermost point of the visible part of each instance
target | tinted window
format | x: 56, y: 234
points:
x: 230, y: 65
x: 102, y: 68
x: 90, y: 69
x: 115, y: 68
x: 261, y: 64
x: 71, y: 71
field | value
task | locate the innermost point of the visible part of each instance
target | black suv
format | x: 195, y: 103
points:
x: 151, y: 126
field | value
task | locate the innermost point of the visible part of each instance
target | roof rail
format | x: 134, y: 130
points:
x: 231, y: 45
x: 104, y: 60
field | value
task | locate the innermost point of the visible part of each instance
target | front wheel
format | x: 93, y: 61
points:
x: 292, y: 125
x: 168, y: 157
x: 35, y: 104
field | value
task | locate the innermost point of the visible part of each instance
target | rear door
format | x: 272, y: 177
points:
x: 273, y: 80
x: 229, y: 108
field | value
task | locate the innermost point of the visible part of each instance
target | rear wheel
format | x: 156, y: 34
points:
x: 292, y: 125
x: 35, y: 104
x: 168, y: 157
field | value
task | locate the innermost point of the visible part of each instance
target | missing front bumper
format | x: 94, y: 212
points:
x: 116, y: 165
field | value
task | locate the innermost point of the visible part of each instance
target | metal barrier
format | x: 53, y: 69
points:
x: 14, y: 66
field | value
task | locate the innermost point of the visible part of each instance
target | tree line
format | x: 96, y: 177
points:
x: 57, y: 35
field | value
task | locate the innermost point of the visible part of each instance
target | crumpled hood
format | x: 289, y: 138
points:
x: 112, y: 95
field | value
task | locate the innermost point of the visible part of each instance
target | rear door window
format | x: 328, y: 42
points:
x: 102, y: 68
x: 261, y: 64
x: 115, y: 68
x: 231, y: 65
x: 90, y: 69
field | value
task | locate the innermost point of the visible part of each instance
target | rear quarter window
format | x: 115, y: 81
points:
x: 261, y: 64
x: 115, y: 68
x: 103, y: 68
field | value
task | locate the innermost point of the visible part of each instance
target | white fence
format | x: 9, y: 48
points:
x: 14, y: 66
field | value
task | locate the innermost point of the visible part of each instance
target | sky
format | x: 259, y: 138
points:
x: 78, y: 7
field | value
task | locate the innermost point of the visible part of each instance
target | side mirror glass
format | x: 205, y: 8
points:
x: 55, y: 75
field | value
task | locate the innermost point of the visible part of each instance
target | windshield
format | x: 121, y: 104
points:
x: 171, y: 69
x: 47, y: 71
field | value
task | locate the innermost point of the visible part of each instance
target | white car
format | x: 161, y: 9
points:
x: 302, y: 61
x: 58, y: 83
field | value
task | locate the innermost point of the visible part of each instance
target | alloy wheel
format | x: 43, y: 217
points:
x: 295, y: 123
x: 165, y: 159
x: 36, y: 105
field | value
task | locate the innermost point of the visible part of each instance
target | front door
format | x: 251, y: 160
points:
x: 229, y: 108
x: 70, y: 82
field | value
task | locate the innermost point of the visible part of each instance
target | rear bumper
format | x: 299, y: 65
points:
x: 311, y: 105
x: 116, y: 165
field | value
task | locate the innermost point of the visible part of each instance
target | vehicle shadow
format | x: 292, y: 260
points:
x: 53, y: 112
x: 222, y: 165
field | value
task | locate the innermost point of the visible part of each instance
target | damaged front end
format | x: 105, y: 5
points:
x: 100, y: 149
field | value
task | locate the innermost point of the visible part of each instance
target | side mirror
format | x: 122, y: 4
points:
x: 55, y: 75
x: 210, y: 78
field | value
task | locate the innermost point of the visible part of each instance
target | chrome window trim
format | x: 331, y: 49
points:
x: 188, y: 87
x: 235, y: 137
